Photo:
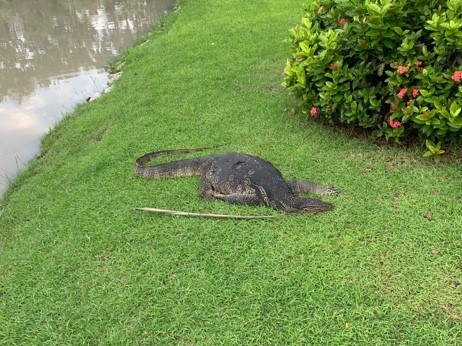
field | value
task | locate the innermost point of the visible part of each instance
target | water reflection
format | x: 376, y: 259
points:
x: 52, y: 54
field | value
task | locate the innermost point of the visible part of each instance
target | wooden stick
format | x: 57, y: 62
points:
x: 222, y: 216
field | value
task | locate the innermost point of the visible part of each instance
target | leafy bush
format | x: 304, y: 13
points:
x: 392, y: 66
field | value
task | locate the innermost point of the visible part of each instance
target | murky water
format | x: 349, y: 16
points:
x: 52, y: 56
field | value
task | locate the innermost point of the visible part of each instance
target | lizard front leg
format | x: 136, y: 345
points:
x: 307, y: 186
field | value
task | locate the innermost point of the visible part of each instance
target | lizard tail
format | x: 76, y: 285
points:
x: 186, y: 167
x: 143, y: 160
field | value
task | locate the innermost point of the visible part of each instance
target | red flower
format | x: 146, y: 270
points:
x: 457, y: 76
x: 402, y: 93
x: 393, y: 124
x: 415, y: 92
x: 342, y: 22
x: 313, y: 111
x: 418, y: 63
x: 401, y: 69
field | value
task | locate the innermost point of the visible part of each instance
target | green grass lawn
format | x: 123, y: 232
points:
x: 78, y: 266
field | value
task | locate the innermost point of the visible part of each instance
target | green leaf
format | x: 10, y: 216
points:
x: 424, y: 93
x: 406, y: 46
x: 455, y: 109
x: 373, y: 33
x: 398, y: 30
x: 388, y: 43
x: 306, y: 23
x: 375, y: 8
x: 425, y: 50
x: 429, y: 144
x: 331, y: 85
x: 444, y: 112
x: 305, y: 48
x: 354, y: 106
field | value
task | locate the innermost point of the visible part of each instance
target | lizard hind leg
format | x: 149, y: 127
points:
x: 207, y: 190
x: 307, y: 186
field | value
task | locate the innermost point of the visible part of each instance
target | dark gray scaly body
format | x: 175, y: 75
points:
x: 239, y: 178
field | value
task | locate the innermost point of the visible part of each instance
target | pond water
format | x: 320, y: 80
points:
x: 53, y: 55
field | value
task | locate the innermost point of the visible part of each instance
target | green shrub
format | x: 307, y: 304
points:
x: 392, y: 66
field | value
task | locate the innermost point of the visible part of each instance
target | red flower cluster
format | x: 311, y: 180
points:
x: 402, y: 93
x: 401, y: 69
x: 313, y: 111
x: 342, y: 22
x: 457, y: 76
x: 333, y: 65
x: 393, y: 124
